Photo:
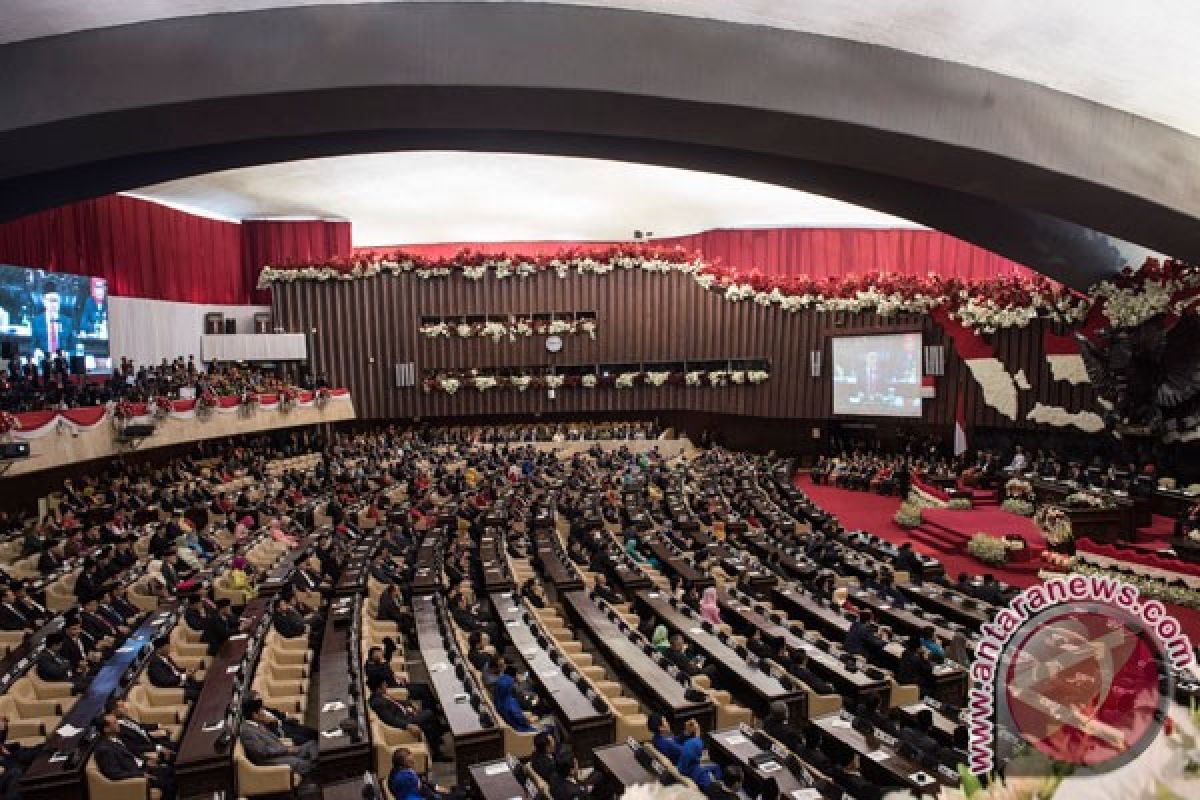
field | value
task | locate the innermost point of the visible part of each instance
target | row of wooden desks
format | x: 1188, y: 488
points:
x: 280, y: 574
x: 881, y: 763
x: 586, y: 727
x: 950, y: 604
x: 204, y: 764
x: 752, y: 687
x: 651, y: 682
x: 427, y: 565
x: 856, y: 684
x: 673, y: 563
x: 341, y: 696
x: 53, y: 774
x: 554, y: 564
x: 760, y: 765
x: 473, y: 740
x: 494, y: 562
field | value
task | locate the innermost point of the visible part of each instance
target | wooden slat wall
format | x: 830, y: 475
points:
x: 365, y: 327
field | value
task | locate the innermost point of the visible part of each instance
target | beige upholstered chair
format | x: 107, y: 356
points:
x: 101, y: 788
x: 253, y: 780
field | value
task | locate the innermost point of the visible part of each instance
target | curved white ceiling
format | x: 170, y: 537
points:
x: 418, y: 197
x: 1136, y: 57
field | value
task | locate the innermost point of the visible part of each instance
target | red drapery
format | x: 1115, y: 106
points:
x: 142, y: 248
x: 817, y: 252
x: 282, y: 242
x: 149, y: 250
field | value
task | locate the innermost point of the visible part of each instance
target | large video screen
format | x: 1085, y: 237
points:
x: 877, y: 376
x: 46, y: 314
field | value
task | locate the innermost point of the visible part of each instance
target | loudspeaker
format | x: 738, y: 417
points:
x: 8, y: 350
x: 137, y: 431
x: 79, y: 365
x: 814, y: 363
x: 231, y: 326
x: 9, y: 450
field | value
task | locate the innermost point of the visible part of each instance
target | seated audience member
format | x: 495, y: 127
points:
x: 405, y: 784
x: 813, y: 750
x: 391, y: 607
x: 776, y: 725
x: 729, y: 787
x: 11, y: 616
x: 535, y: 594
x: 920, y: 733
x: 97, y: 626
x: 508, y: 704
x: 117, y: 762
x: 796, y: 662
x: 54, y: 667
x: 144, y: 739
x: 663, y: 738
x: 869, y: 709
x: 166, y: 674
x: 220, y: 626
x: 544, y: 756
x: 479, y: 650
x: 691, y: 762
x: 403, y: 715
x: 840, y: 600
x: 930, y: 642
x: 604, y: 591
x: 758, y: 645
x: 687, y: 661
x: 196, y: 614
x: 709, y: 608
x: 565, y: 783
x: 471, y: 618
x: 239, y: 578
x: 289, y: 623
x: 265, y: 748
x: 861, y: 639
x: 907, y: 560
x: 914, y: 666
x: 284, y: 726
x: 78, y: 645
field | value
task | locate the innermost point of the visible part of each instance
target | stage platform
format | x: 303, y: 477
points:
x: 949, y: 531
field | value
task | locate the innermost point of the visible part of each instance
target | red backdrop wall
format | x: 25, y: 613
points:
x: 149, y: 250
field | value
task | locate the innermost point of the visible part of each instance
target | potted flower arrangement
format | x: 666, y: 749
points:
x: 908, y: 515
x: 1088, y: 500
x: 588, y: 326
x: 162, y: 407
x: 627, y: 380
x: 248, y: 403
x: 1055, y: 525
x: 323, y: 397
x: 287, y: 399
x: 435, y: 329
x: 449, y: 385
x: 8, y: 424
x: 717, y: 377
x: 464, y: 330
x: 657, y: 378
x: 1018, y: 497
x: 207, y: 403
x: 988, y: 549
x: 959, y: 504
x: 484, y: 382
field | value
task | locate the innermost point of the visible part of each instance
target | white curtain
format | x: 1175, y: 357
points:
x: 147, y: 331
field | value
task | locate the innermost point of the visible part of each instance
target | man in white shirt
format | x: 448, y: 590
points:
x: 1019, y: 462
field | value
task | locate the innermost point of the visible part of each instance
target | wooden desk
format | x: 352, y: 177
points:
x: 495, y: 781
x: 586, y: 727
x: 340, y: 696
x: 950, y: 604
x: 893, y: 770
x: 752, y: 687
x: 675, y: 564
x: 51, y: 775
x: 205, y: 766
x: 427, y: 566
x: 494, y: 561
x: 856, y: 684
x: 943, y: 726
x: 731, y: 745
x: 651, y: 681
x: 548, y: 555
x: 473, y: 743
x: 621, y: 769
x: 356, y: 570
x: 279, y: 575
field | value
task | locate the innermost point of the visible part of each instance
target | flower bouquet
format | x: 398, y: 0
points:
x: 323, y: 397
x: 520, y: 382
x: 8, y: 424
x: 435, y: 329
x: 1018, y: 497
x: 287, y: 399
x: 162, y: 407
x: 694, y: 378
x: 1055, y: 525
x: 757, y: 376
x: 588, y: 381
x: 657, y: 378
x: 627, y: 380
x: 1088, y: 500
x: 484, y: 382
x: 554, y: 381
x: 988, y: 549
x: 908, y: 515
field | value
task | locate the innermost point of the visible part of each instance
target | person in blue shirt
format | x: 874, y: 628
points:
x: 664, y: 740
x: 930, y: 643
x: 691, y: 758
x: 403, y: 782
x: 507, y: 706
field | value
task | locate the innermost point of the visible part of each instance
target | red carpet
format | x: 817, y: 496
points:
x: 873, y: 513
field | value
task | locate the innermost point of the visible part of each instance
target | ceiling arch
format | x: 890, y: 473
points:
x: 1045, y: 175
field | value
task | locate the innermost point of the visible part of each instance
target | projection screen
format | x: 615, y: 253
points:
x: 878, y: 375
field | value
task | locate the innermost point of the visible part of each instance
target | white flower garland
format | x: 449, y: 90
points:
x: 497, y: 330
x: 657, y: 378
x: 588, y: 381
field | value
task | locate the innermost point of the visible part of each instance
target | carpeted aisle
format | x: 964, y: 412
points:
x: 873, y: 513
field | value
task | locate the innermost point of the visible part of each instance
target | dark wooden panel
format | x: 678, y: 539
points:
x: 364, y: 327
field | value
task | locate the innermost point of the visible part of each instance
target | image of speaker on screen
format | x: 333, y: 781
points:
x: 877, y: 375
x: 53, y: 329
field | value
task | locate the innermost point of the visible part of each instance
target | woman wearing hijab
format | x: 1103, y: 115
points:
x: 239, y: 580
x: 708, y: 606
x: 661, y: 639
x: 691, y: 758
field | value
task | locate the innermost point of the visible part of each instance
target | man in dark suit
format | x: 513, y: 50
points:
x: 78, y: 645
x: 861, y: 639
x: 53, y: 666
x: 679, y: 655
x: 264, y: 747
x: 11, y: 617
x: 142, y: 738
x: 289, y: 623
x: 117, y: 762
x: 391, y: 607
x: 97, y: 625
x: 729, y: 787
x: 196, y: 615
x: 404, y: 715
x: 165, y: 674
x: 52, y: 331
x: 219, y: 626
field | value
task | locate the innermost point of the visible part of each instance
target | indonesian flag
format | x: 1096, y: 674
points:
x: 960, y: 425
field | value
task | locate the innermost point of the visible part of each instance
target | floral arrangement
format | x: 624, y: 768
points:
x: 520, y: 382
x: 1018, y: 497
x: 162, y: 407
x: 908, y: 515
x: 122, y: 411
x: 757, y: 376
x: 1014, y: 505
x: 656, y: 378
x: 8, y: 423
x: 433, y: 330
x: 694, y: 378
x: 983, y: 306
x: 627, y: 380
x: 1149, y: 587
x: 1055, y: 525
x: 323, y: 397
x: 1088, y: 500
x: 287, y: 398
x: 588, y: 381
x: 497, y: 330
x: 717, y: 377
x: 988, y: 549
x: 959, y: 504
x: 485, y: 382
x: 554, y: 381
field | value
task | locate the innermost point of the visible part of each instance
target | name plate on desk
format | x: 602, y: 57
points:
x: 879, y: 755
